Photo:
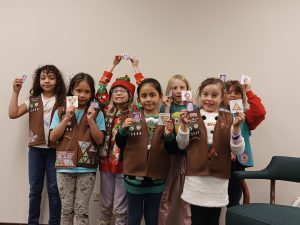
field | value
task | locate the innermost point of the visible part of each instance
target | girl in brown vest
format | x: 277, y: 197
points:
x: 78, y: 132
x: 47, y: 93
x: 209, y: 135
x: 145, y: 146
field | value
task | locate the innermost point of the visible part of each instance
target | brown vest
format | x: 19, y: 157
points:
x: 202, y: 161
x: 138, y: 160
x: 76, y: 147
x: 36, y: 122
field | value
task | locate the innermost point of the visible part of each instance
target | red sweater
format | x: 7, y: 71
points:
x: 256, y: 113
x: 112, y: 163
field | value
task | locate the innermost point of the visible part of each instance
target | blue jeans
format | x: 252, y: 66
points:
x: 42, y: 161
x: 143, y: 204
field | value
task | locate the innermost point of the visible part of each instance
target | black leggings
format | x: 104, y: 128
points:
x: 205, y: 215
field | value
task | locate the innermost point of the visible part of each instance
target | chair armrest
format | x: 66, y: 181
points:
x: 262, y: 174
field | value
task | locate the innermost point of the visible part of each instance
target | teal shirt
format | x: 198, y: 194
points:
x: 246, y: 158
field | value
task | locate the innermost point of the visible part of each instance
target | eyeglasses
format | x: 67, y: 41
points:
x: 119, y: 90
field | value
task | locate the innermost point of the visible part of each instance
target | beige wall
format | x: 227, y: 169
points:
x: 197, y: 38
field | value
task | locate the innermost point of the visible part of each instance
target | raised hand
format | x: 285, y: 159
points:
x: 17, y: 85
x: 70, y: 112
x: 117, y: 59
x: 127, y: 123
x: 169, y: 127
x: 135, y: 64
x: 167, y: 100
x: 238, y: 119
x: 91, y: 113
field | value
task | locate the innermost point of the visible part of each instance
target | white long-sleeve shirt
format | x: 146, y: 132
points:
x: 207, y: 191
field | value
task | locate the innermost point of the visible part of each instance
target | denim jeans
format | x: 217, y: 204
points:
x: 41, y: 161
x: 143, y: 204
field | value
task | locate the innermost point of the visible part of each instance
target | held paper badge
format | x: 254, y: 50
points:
x: 72, y: 100
x: 223, y: 77
x: 189, y: 106
x: 137, y: 117
x: 94, y: 104
x: 186, y: 95
x: 23, y: 78
x: 245, y: 80
x: 162, y: 118
x: 125, y: 56
x: 236, y: 106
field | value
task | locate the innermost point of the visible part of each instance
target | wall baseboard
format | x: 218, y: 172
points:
x: 16, y: 223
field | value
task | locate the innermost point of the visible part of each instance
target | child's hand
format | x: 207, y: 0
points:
x: 184, y: 117
x: 167, y: 102
x: 128, y: 123
x: 239, y: 118
x: 117, y: 60
x: 91, y: 113
x: 17, y: 85
x: 169, y: 127
x: 135, y: 62
x: 70, y: 112
x: 247, y: 87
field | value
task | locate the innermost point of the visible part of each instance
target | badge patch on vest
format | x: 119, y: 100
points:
x: 32, y: 137
x: 244, y: 157
x: 222, y: 124
x: 84, y: 146
x: 64, y: 159
x: 194, y: 126
x: 33, y: 105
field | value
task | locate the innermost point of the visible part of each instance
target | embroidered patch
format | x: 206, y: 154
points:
x: 222, y: 124
x: 64, y: 159
x: 212, y: 152
x: 244, y: 157
x: 32, y: 137
x: 84, y: 150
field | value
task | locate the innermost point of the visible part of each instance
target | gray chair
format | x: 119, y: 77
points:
x: 280, y: 168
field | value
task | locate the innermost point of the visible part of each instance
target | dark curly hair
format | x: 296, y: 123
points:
x: 60, y: 88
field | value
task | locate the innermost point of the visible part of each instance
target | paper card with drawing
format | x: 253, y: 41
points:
x: 137, y: 117
x: 223, y: 77
x: 125, y: 56
x: 236, y: 106
x: 186, y: 95
x: 245, y: 79
x: 94, y: 104
x: 162, y: 118
x: 72, y: 100
x: 23, y: 78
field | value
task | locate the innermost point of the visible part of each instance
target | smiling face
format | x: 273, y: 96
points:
x: 119, y: 95
x: 177, y: 87
x: 83, y: 91
x: 150, y: 99
x: 48, y: 82
x: 211, y: 97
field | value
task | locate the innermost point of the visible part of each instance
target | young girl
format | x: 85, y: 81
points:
x: 78, y: 132
x: 253, y: 117
x: 146, y: 161
x: 46, y: 94
x: 209, y: 135
x: 113, y: 197
x: 173, y: 104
